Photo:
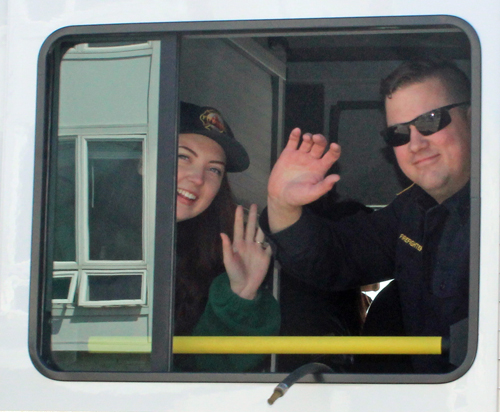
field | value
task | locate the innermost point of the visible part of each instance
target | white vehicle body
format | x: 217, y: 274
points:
x: 24, y: 27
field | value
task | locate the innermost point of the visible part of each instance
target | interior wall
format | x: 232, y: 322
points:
x: 213, y: 73
x: 366, y: 174
x: 368, y: 169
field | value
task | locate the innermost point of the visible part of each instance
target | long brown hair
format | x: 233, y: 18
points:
x: 199, y: 257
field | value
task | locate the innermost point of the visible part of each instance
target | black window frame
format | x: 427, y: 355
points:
x: 170, y: 35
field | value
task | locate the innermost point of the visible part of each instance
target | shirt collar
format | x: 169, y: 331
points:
x: 459, y: 203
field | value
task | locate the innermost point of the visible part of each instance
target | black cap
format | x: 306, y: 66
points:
x: 208, y: 121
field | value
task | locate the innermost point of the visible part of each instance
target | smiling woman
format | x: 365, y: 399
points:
x: 200, y: 171
x: 206, y: 302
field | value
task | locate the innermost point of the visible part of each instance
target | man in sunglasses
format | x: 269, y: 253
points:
x: 421, y: 239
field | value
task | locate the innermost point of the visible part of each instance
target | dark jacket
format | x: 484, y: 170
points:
x: 421, y: 244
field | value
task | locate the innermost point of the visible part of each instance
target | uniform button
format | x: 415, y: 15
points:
x: 442, y: 286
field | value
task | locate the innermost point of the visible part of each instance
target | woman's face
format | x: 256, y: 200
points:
x: 201, y: 166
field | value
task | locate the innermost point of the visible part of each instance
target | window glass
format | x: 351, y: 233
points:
x: 103, y: 262
x: 64, y: 225
x: 107, y: 245
x: 115, y: 200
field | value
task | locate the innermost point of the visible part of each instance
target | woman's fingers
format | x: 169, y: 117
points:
x: 238, y: 224
x: 251, y: 224
x: 247, y: 258
x: 227, y: 250
x: 259, y: 237
x: 268, y: 250
x: 246, y: 238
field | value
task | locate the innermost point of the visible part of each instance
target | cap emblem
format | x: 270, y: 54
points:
x: 212, y: 120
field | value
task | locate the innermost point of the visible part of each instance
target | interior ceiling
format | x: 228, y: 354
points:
x: 372, y: 47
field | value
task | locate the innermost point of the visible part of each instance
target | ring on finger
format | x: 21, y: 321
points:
x: 263, y: 244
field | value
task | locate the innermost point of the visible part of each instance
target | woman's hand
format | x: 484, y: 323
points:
x: 247, y: 258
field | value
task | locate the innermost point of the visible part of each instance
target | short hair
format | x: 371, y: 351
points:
x: 455, y: 80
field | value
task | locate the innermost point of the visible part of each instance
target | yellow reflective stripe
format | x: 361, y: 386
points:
x: 308, y: 344
x: 355, y: 345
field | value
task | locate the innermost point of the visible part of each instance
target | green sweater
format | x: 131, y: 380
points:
x: 226, y: 314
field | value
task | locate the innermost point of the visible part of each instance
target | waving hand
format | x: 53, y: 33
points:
x: 298, y: 177
x: 247, y: 258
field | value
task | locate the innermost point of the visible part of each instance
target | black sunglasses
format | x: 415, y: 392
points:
x: 426, y: 124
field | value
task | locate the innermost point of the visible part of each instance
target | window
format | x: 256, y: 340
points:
x: 104, y: 225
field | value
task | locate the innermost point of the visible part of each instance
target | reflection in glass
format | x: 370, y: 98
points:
x: 61, y: 287
x: 115, y: 200
x: 114, y: 287
x: 100, y: 261
x: 64, y: 230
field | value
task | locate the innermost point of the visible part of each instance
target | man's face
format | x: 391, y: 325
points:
x: 439, y: 163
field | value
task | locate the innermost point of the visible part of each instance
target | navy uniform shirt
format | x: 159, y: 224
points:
x: 420, y: 243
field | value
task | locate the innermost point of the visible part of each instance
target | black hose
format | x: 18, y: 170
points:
x: 316, y: 369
